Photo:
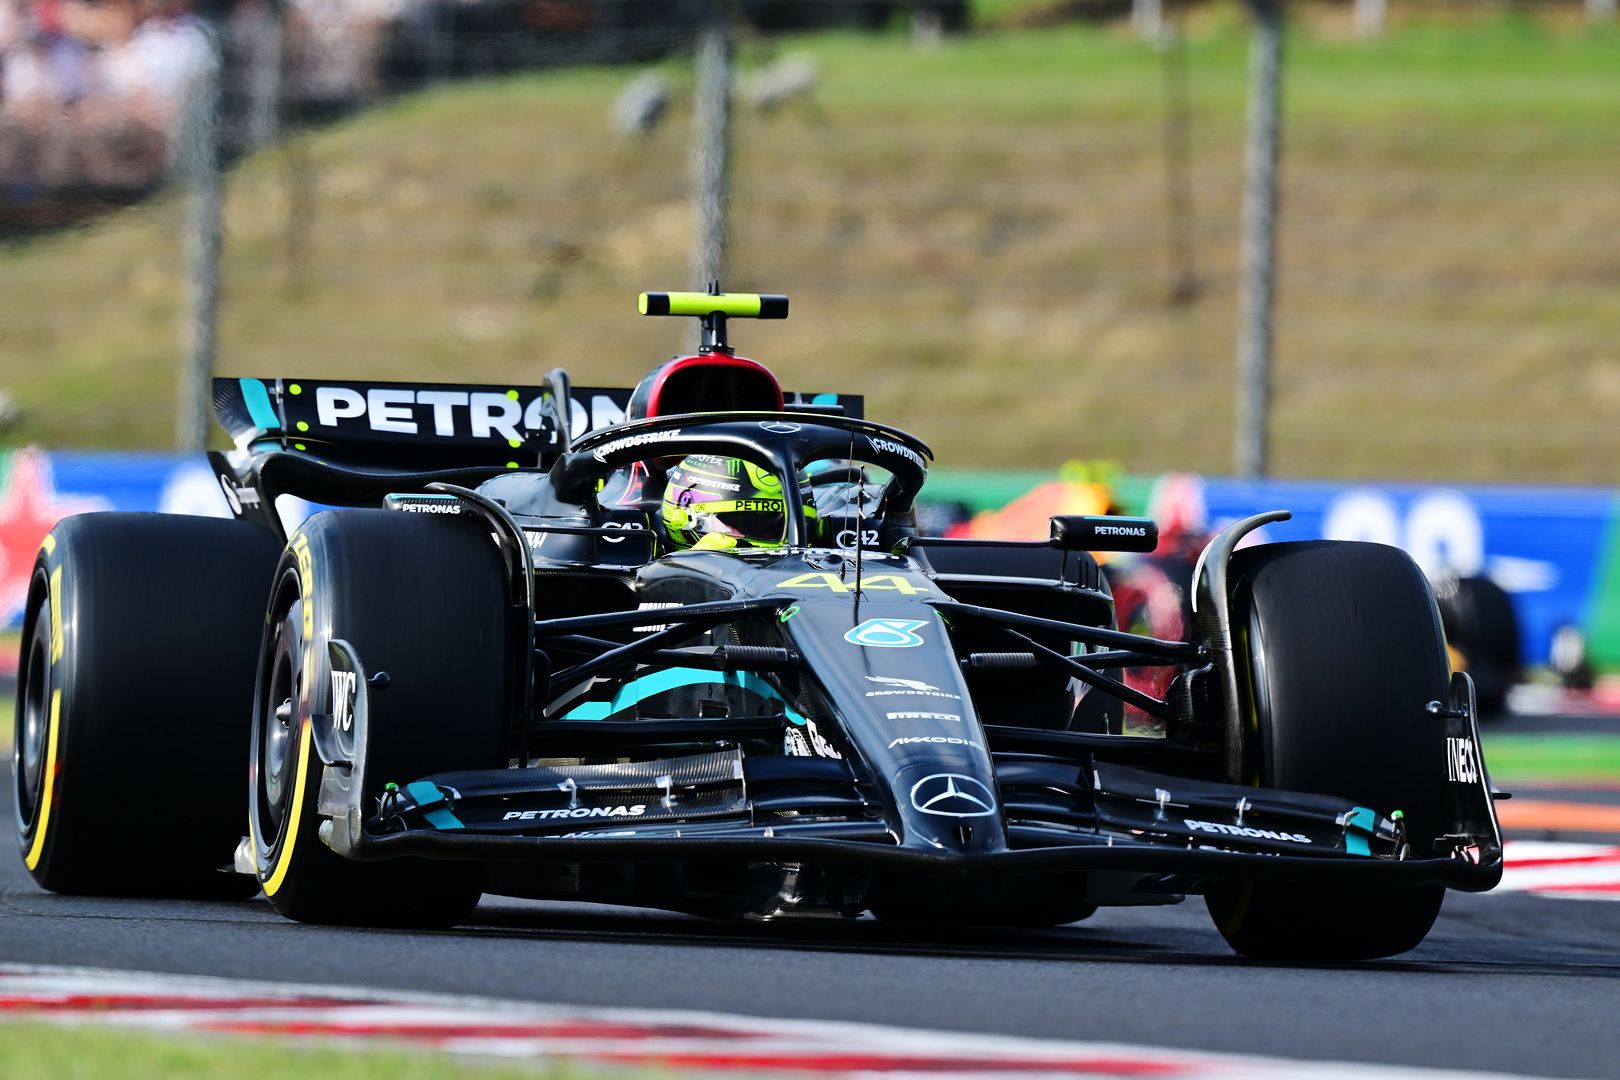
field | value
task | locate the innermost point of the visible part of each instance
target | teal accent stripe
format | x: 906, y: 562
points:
x: 427, y: 796
x: 258, y: 404
x: 636, y: 691
x: 1357, y: 829
x: 443, y: 819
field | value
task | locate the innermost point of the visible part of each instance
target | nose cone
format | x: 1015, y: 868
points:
x: 949, y: 805
x: 889, y: 670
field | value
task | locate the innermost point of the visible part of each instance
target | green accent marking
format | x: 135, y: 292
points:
x: 788, y: 612
x: 428, y: 797
x: 303, y: 425
x: 638, y: 690
x: 513, y: 394
x: 1602, y: 615
x: 1397, y: 815
x: 257, y: 399
x: 514, y: 443
x: 391, y: 787
x: 511, y: 464
x: 299, y: 446
x: 1357, y: 829
x: 295, y: 389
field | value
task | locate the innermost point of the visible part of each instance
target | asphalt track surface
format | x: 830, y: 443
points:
x: 1508, y: 982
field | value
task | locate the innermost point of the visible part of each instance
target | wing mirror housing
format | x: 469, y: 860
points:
x: 1084, y: 532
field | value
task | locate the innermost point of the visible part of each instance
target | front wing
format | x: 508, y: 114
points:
x: 723, y: 806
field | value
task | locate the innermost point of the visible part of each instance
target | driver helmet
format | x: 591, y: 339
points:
x: 716, y: 503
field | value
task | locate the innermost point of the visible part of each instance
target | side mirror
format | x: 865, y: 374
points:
x: 1087, y: 533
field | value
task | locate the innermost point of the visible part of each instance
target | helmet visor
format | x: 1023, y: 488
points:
x: 760, y: 526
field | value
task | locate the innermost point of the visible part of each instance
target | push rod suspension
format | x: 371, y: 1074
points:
x: 626, y: 653
x: 711, y: 612
x: 1171, y: 651
x: 1119, y: 658
x: 1073, y: 665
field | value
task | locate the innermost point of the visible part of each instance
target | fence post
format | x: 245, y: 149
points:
x: 198, y: 162
x: 264, y: 30
x: 1370, y: 17
x: 1258, y: 274
x: 1147, y: 18
x: 711, y: 145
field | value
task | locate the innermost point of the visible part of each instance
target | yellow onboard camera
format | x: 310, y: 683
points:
x: 713, y: 308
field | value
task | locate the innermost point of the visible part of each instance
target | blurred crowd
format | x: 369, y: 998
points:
x: 93, y: 94
x: 96, y: 95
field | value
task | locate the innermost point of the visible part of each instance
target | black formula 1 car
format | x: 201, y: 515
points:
x: 497, y: 665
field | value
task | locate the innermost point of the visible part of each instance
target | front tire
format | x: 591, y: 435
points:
x: 135, y: 686
x: 423, y: 600
x: 1339, y: 650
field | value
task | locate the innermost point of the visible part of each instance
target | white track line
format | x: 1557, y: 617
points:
x: 1561, y: 870
x: 693, y: 1042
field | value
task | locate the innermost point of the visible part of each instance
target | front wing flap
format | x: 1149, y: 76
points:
x: 1206, y: 814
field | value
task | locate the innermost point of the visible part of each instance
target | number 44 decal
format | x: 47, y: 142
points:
x: 875, y: 582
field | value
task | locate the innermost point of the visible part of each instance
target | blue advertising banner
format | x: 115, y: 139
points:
x: 1551, y: 549
x: 1548, y: 547
x: 1542, y: 545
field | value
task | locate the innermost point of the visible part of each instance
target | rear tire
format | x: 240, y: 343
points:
x: 423, y: 600
x: 1339, y: 649
x: 134, y: 692
x: 1481, y: 625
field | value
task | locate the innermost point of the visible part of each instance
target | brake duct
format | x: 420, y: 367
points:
x: 1212, y: 618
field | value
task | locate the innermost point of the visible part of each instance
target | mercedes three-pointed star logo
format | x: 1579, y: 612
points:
x: 952, y: 795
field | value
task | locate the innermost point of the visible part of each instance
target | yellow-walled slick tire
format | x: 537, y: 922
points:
x: 424, y: 601
x: 1339, y: 649
x: 135, y: 686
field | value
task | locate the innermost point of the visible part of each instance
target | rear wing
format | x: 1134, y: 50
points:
x: 415, y: 427
x: 411, y: 427
x: 352, y: 443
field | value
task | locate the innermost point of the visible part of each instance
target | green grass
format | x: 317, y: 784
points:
x: 49, y: 1052
x: 1520, y: 759
x: 973, y: 236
